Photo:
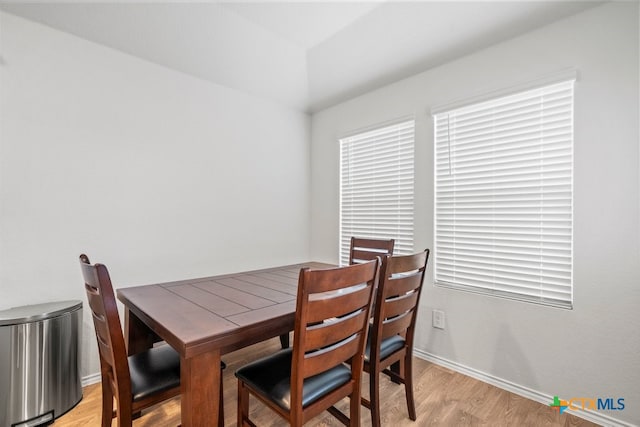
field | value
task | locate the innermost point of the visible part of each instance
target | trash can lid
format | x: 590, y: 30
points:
x: 32, y: 313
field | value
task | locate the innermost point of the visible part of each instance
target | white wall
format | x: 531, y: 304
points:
x: 592, y: 350
x: 157, y: 174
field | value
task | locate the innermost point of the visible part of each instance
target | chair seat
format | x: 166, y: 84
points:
x: 271, y: 377
x: 387, y: 347
x: 154, y: 371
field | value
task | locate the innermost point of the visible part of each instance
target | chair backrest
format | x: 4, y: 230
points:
x: 332, y: 317
x: 397, y: 296
x: 113, y: 354
x: 363, y: 250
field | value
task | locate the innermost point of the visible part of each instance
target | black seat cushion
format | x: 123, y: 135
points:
x: 153, y: 371
x: 271, y: 377
x: 387, y: 347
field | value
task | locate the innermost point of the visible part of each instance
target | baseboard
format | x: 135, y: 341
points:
x: 90, y: 379
x: 596, y: 417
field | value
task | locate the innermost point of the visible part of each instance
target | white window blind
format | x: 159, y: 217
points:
x: 376, y: 187
x: 504, y: 196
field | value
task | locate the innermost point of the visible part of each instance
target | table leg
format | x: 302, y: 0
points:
x: 397, y: 368
x: 284, y: 341
x: 200, y: 385
x: 138, y: 336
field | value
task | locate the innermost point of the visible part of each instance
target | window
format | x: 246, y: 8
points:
x: 504, y: 196
x: 376, y: 186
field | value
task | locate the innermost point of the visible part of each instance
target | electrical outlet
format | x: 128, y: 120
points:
x: 438, y: 319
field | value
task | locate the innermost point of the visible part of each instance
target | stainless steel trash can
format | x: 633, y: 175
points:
x: 39, y: 370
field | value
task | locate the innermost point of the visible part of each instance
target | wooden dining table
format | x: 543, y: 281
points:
x: 207, y: 317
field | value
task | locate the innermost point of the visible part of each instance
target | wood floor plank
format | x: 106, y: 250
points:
x: 443, y: 398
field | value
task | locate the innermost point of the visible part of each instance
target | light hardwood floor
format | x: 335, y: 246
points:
x: 443, y: 398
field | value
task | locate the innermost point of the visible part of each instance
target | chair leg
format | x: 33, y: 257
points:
x: 221, y: 404
x: 374, y: 397
x: 243, y: 404
x: 125, y: 413
x: 125, y: 417
x: 354, y: 407
x: 408, y: 385
x: 107, y: 404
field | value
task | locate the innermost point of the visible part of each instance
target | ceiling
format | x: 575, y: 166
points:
x: 305, y: 55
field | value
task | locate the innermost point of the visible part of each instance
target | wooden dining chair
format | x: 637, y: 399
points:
x: 363, y: 249
x: 137, y: 381
x: 304, y: 381
x: 390, y: 341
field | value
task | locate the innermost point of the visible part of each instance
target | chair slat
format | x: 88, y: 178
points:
x: 382, y: 245
x: 400, y: 305
x: 403, y: 264
x: 107, y: 353
x: 327, y: 280
x: 396, y: 326
x: 325, y: 359
x: 338, y: 304
x: 360, y: 256
x: 402, y: 285
x: 332, y: 331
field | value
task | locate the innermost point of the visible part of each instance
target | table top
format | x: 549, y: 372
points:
x: 221, y: 312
